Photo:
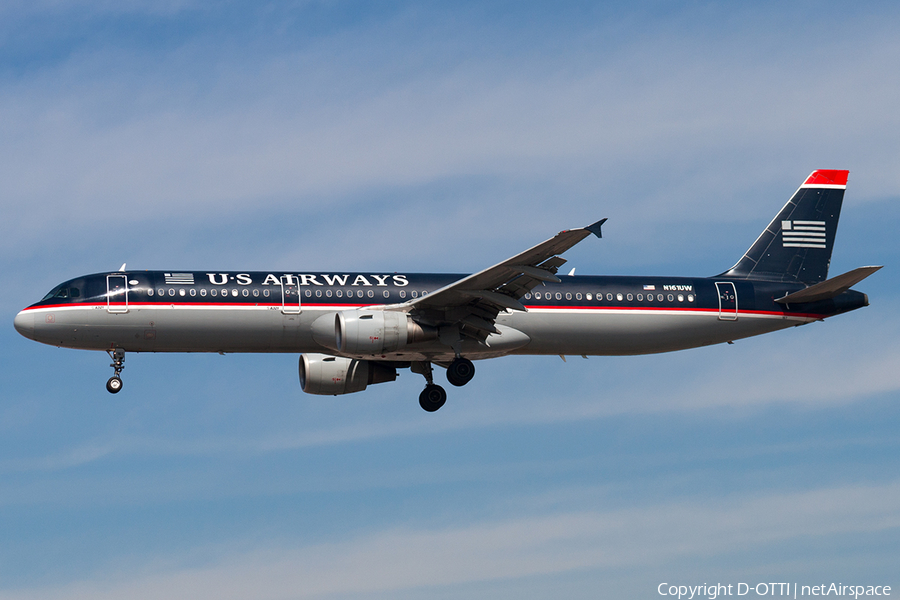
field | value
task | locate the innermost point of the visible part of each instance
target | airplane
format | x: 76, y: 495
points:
x: 355, y: 329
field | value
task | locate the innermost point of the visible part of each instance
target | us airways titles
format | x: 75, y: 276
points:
x: 312, y: 279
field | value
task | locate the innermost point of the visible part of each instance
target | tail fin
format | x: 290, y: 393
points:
x: 796, y: 246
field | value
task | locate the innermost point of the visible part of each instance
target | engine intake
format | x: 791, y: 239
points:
x: 335, y: 375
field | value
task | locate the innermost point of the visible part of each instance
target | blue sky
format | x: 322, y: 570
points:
x: 428, y: 136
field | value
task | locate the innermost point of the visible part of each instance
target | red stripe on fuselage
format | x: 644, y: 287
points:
x: 309, y: 305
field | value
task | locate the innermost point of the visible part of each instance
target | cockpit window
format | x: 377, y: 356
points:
x: 52, y: 293
x: 63, y: 292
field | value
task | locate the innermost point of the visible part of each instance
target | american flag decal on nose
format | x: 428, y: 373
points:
x: 803, y: 234
x: 179, y: 278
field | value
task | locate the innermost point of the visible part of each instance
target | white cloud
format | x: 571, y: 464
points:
x: 92, y: 9
x: 432, y: 560
x: 669, y: 128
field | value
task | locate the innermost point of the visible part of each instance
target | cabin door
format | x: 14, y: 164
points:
x: 727, y: 301
x: 117, y: 293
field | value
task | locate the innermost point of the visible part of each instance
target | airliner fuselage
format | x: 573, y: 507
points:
x: 152, y: 311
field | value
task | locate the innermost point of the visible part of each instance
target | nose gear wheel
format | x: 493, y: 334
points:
x: 114, y: 384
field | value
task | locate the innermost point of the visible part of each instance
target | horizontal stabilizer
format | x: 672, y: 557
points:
x: 830, y: 287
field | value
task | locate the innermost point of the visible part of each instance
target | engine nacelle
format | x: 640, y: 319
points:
x: 335, y: 375
x: 373, y: 332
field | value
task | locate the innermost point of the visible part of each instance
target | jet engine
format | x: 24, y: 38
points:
x: 335, y: 375
x: 369, y: 332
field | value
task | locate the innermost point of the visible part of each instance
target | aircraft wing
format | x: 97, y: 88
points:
x: 474, y: 302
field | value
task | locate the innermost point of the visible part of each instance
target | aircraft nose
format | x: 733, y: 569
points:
x: 24, y: 323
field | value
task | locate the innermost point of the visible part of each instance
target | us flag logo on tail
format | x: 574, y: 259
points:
x: 803, y: 234
x: 179, y: 278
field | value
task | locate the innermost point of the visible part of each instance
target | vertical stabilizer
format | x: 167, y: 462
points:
x: 797, y: 244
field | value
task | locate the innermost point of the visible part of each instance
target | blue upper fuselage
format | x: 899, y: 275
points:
x: 354, y: 290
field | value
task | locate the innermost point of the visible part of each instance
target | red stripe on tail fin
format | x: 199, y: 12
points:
x: 827, y: 177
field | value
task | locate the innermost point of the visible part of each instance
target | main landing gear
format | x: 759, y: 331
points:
x: 459, y: 373
x: 114, y: 385
x: 433, y: 396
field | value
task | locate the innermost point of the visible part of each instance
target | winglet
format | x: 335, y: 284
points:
x: 595, y: 228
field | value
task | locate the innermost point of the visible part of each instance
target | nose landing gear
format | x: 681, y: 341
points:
x: 114, y: 385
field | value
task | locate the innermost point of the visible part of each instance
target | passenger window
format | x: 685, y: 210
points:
x: 681, y: 297
x: 528, y: 296
x: 328, y: 293
x: 193, y: 292
x: 359, y: 293
x: 590, y: 296
x: 630, y: 297
x: 690, y: 297
x: 619, y: 297
x: 214, y: 292
x: 578, y: 296
x: 256, y: 293
x: 609, y: 297
x: 403, y: 293
x: 161, y: 292
x: 171, y: 291
x: 537, y: 295
x: 659, y: 297
x: 340, y: 294
x: 318, y: 293
x: 245, y: 292
x: 415, y: 294
x: 308, y: 294
x: 558, y: 296
x: 266, y: 292
x: 640, y: 297
x: 203, y: 291
x: 386, y: 293
x: 568, y: 295
x: 670, y: 298
x: 370, y: 294
x: 150, y: 292
x: 181, y: 292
